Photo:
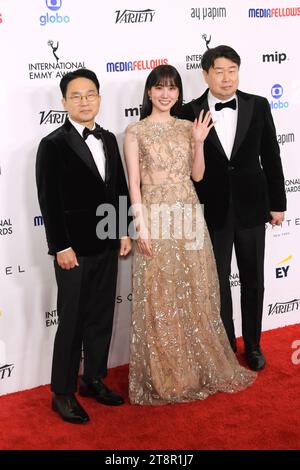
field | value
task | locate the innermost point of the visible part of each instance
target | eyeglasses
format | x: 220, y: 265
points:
x: 90, y: 97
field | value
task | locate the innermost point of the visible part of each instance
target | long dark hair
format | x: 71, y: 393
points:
x: 162, y: 75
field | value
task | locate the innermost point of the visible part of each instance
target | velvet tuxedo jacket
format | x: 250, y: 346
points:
x: 70, y: 189
x: 252, y: 178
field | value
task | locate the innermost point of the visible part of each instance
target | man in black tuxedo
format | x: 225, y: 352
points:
x: 78, y: 168
x: 242, y: 188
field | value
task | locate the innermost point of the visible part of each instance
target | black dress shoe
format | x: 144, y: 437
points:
x: 69, y: 409
x: 98, y: 390
x: 255, y: 359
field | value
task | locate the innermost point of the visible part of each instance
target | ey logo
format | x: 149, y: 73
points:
x: 282, y: 271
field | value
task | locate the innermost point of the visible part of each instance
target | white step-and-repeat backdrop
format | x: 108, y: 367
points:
x: 122, y: 41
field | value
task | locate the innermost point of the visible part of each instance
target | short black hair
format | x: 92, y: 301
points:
x: 161, y: 75
x: 79, y: 73
x: 209, y: 56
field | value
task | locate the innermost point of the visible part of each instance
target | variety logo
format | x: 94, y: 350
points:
x: 57, y: 69
x: 134, y: 16
x: 273, y: 12
x: 148, y: 64
x: 5, y: 227
x: 277, y: 92
x: 6, y: 370
x: 283, y: 139
x: 275, y: 57
x: 53, y: 117
x: 282, y: 271
x: 38, y: 221
x: 53, y: 5
x: 292, y: 186
x: 51, y: 318
x: 284, y: 307
x: 193, y: 61
x: 208, y: 13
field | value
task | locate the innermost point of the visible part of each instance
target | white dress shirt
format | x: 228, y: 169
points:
x: 225, y: 122
x: 95, y: 146
x: 97, y: 151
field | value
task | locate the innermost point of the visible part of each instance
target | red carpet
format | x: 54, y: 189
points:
x: 265, y: 416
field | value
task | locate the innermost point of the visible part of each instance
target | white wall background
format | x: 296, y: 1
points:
x: 89, y: 34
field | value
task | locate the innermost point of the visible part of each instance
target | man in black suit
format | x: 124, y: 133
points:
x: 242, y: 188
x: 78, y: 168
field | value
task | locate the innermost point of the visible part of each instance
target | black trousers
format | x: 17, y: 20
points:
x: 85, y: 306
x: 249, y: 245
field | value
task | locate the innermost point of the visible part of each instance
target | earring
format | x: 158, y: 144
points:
x: 150, y: 98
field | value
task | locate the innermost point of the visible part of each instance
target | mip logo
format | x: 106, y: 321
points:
x: 277, y: 92
x: 54, y: 4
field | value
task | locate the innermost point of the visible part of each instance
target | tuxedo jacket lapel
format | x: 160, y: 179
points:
x: 245, y: 111
x: 212, y: 137
x: 78, y: 146
x: 105, y: 144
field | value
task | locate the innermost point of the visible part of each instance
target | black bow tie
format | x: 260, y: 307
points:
x: 95, y: 132
x: 229, y: 104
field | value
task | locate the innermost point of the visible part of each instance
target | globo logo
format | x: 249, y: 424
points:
x: 277, y: 92
x: 54, y: 4
x: 46, y: 19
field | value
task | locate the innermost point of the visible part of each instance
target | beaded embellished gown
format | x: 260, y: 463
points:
x: 179, y: 350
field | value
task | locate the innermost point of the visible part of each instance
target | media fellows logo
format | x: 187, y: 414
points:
x: 56, y: 18
x: 277, y: 92
x: 273, y: 12
x: 133, y: 65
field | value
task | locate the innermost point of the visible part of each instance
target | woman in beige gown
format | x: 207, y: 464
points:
x: 179, y: 348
